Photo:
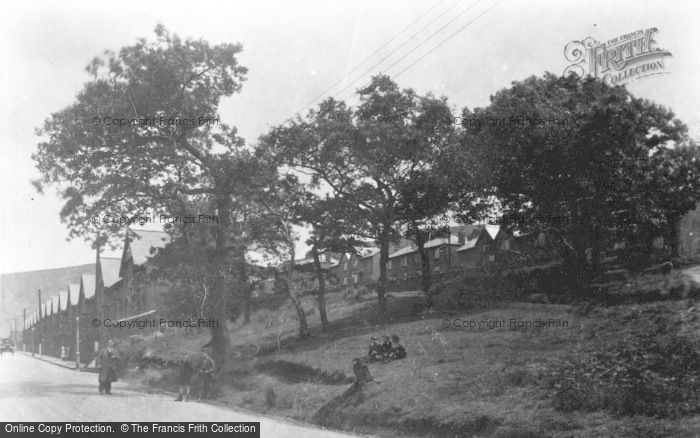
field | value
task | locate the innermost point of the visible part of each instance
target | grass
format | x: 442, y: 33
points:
x: 455, y: 382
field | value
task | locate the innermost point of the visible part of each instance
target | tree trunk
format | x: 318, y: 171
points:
x: 220, y: 340
x: 425, y: 273
x: 301, y: 316
x: 242, y: 277
x: 383, y: 259
x: 321, y: 289
x: 674, y: 235
x: 296, y: 300
x: 597, y: 248
x: 579, y: 259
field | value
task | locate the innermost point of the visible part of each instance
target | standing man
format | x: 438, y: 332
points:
x: 204, y: 366
x: 189, y: 365
x: 107, y: 362
x: 184, y: 377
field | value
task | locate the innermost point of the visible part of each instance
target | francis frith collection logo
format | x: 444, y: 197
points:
x: 618, y: 61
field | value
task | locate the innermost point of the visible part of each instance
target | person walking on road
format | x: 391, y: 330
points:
x: 107, y: 362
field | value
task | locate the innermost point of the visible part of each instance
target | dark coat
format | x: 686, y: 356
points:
x: 184, y: 372
x: 198, y: 362
x: 376, y: 352
x: 108, y: 361
x: 362, y: 375
x: 386, y: 348
x: 398, y: 351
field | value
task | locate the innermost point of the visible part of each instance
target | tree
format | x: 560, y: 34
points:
x: 332, y: 227
x: 670, y: 188
x: 424, y: 199
x: 365, y: 155
x: 574, y: 148
x: 143, y: 136
x: 274, y: 232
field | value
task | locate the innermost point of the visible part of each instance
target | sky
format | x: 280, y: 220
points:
x: 294, y: 51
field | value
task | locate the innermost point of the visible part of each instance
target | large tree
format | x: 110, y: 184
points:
x: 143, y: 135
x: 366, y: 155
x: 573, y: 148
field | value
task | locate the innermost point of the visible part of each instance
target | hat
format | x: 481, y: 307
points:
x: 372, y: 338
x: 386, y: 336
x: 357, y: 359
x: 395, y: 338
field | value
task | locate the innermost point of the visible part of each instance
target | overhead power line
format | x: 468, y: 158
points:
x: 445, y: 40
x: 406, y: 42
x: 392, y: 39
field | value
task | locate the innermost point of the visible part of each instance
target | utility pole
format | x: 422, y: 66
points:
x: 24, y: 330
x: 77, y: 342
x: 39, y: 322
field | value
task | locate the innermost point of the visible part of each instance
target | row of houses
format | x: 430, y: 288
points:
x: 118, y: 287
x: 464, y: 247
x: 90, y: 306
x: 476, y: 246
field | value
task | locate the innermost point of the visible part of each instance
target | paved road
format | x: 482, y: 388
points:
x: 33, y: 390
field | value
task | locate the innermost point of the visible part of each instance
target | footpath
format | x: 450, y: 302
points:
x: 70, y: 364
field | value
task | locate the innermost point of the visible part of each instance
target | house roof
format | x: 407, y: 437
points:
x: 20, y: 288
x: 74, y: 293
x: 88, y: 283
x: 309, y: 261
x: 369, y: 253
x: 469, y: 243
x: 110, y: 270
x: 63, y: 297
x: 142, y: 241
x: 491, y: 230
x: 453, y: 240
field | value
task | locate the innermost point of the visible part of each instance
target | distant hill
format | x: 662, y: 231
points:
x: 18, y: 290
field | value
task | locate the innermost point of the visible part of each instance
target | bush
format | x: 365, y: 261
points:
x: 358, y: 294
x: 652, y: 376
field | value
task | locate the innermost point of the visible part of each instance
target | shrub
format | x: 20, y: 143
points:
x: 357, y: 294
x: 652, y: 376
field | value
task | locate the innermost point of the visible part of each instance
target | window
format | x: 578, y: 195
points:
x: 541, y: 239
x: 404, y: 260
x: 388, y: 264
x: 506, y: 244
x: 354, y: 262
x: 345, y: 280
x: 345, y: 266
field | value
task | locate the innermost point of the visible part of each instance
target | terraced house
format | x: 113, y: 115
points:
x: 117, y: 289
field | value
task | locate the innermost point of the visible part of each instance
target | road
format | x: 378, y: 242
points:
x: 34, y: 390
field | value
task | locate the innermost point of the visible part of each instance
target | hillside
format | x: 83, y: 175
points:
x: 579, y: 376
x: 19, y: 289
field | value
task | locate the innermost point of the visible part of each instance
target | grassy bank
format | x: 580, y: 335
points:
x: 507, y: 378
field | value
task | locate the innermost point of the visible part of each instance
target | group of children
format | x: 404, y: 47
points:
x: 390, y: 349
